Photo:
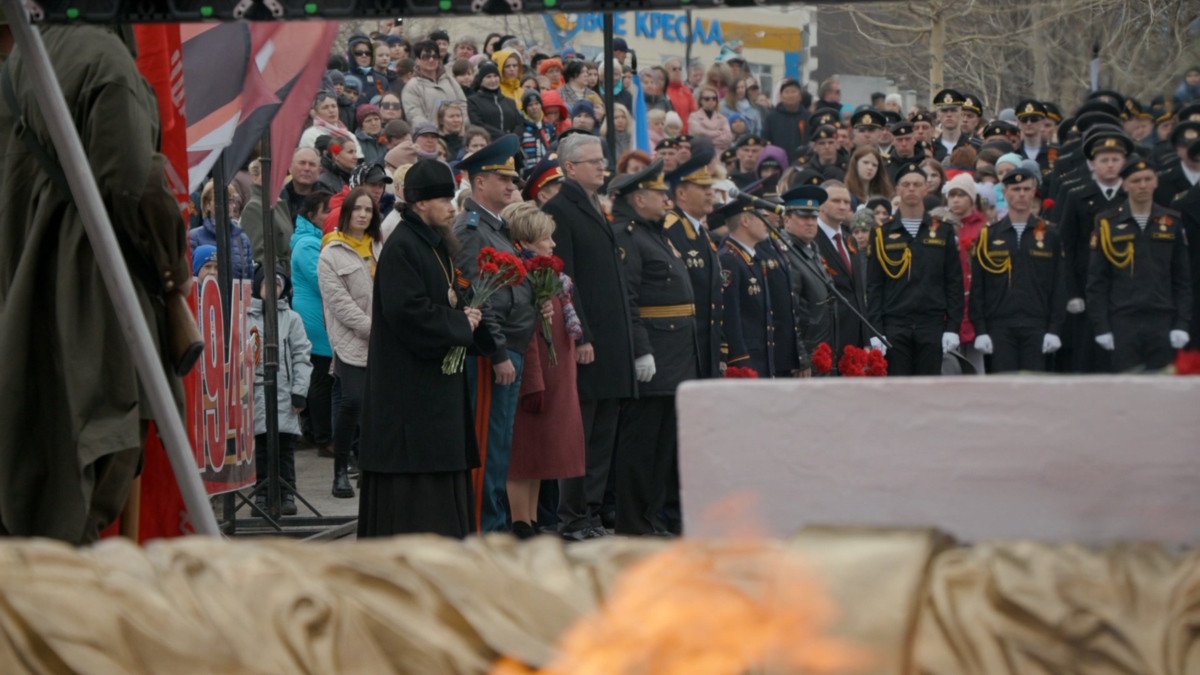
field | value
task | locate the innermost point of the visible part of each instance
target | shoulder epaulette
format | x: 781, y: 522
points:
x: 472, y: 219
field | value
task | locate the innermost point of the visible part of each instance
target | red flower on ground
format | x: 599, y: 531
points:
x: 1187, y: 362
x: 852, y: 362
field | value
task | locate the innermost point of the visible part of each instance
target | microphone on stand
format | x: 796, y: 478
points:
x: 756, y: 202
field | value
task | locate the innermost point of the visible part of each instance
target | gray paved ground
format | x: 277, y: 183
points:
x: 314, y: 478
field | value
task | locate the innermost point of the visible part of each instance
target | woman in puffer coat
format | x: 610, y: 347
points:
x: 489, y: 108
x: 295, y: 371
x: 346, y: 270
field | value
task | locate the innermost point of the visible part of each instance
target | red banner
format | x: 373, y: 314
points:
x: 160, y: 60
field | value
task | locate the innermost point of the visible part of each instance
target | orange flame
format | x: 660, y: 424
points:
x: 707, y: 608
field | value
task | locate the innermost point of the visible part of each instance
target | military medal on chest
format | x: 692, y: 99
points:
x: 1039, y: 237
x: 694, y: 259
x: 754, y: 289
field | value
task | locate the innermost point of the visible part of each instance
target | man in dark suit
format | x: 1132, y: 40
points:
x: 845, y: 263
x: 591, y: 257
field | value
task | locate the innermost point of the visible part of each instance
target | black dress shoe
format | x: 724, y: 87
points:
x: 288, y: 507
x: 523, y: 530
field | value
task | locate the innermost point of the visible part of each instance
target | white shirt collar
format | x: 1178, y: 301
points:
x: 829, y: 230
x: 1192, y: 176
x: 696, y: 223
x: 1104, y: 190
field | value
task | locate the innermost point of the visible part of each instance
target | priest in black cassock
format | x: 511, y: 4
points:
x: 418, y: 440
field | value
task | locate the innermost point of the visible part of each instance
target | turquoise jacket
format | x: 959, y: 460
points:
x: 306, y: 291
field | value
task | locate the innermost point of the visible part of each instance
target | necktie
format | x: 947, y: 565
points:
x: 1108, y: 193
x: 837, y: 239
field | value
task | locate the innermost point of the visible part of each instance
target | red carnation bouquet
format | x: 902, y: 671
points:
x: 497, y: 269
x: 543, y: 274
x: 822, y: 358
x: 856, y: 362
x: 735, y: 372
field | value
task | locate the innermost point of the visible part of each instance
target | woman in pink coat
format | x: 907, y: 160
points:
x: 548, y: 440
x: 708, y: 121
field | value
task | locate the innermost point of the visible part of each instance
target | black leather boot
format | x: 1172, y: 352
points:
x: 341, y: 480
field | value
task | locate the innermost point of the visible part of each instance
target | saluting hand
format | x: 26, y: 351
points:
x: 474, y: 315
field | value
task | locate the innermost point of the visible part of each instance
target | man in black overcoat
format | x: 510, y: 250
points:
x: 418, y: 440
x: 586, y: 243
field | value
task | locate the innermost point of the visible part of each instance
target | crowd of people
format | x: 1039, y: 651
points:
x: 764, y: 229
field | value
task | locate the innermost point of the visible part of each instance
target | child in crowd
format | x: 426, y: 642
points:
x: 295, y: 368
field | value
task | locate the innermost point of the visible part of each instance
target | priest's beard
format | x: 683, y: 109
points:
x: 447, y: 235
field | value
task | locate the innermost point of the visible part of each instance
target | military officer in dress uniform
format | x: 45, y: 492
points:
x: 1182, y: 173
x: 1188, y: 206
x: 791, y: 359
x: 1054, y: 117
x: 662, y: 308
x: 1000, y: 130
x: 1106, y: 148
x: 1018, y: 283
x: 914, y: 282
x: 749, y: 325
x: 691, y: 191
x: 949, y: 109
x: 510, y: 316
x: 815, y: 306
x: 1139, y: 289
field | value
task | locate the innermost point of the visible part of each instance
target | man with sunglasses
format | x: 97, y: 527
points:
x: 431, y: 85
x: 1030, y: 114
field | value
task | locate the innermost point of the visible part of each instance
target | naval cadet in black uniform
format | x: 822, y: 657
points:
x: 824, y: 158
x: 1106, y: 149
x: 1034, y: 145
x: 904, y: 148
x: 815, y: 306
x: 749, y: 324
x: 949, y: 110
x: 1188, y: 206
x: 914, y: 282
x: 1139, y: 290
x: 748, y: 150
x: 664, y: 341
x: 1177, y: 177
x: 1018, y: 283
x: 691, y: 191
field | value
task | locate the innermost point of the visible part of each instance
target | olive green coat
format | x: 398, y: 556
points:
x: 71, y: 394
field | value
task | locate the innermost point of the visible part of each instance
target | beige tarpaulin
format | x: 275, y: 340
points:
x: 428, y: 605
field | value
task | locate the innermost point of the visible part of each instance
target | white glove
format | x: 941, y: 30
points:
x: 1076, y: 306
x: 645, y: 368
x: 1179, y: 339
x: 1051, y: 343
x: 876, y: 343
x: 949, y: 341
x: 1105, y: 341
x: 983, y: 344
